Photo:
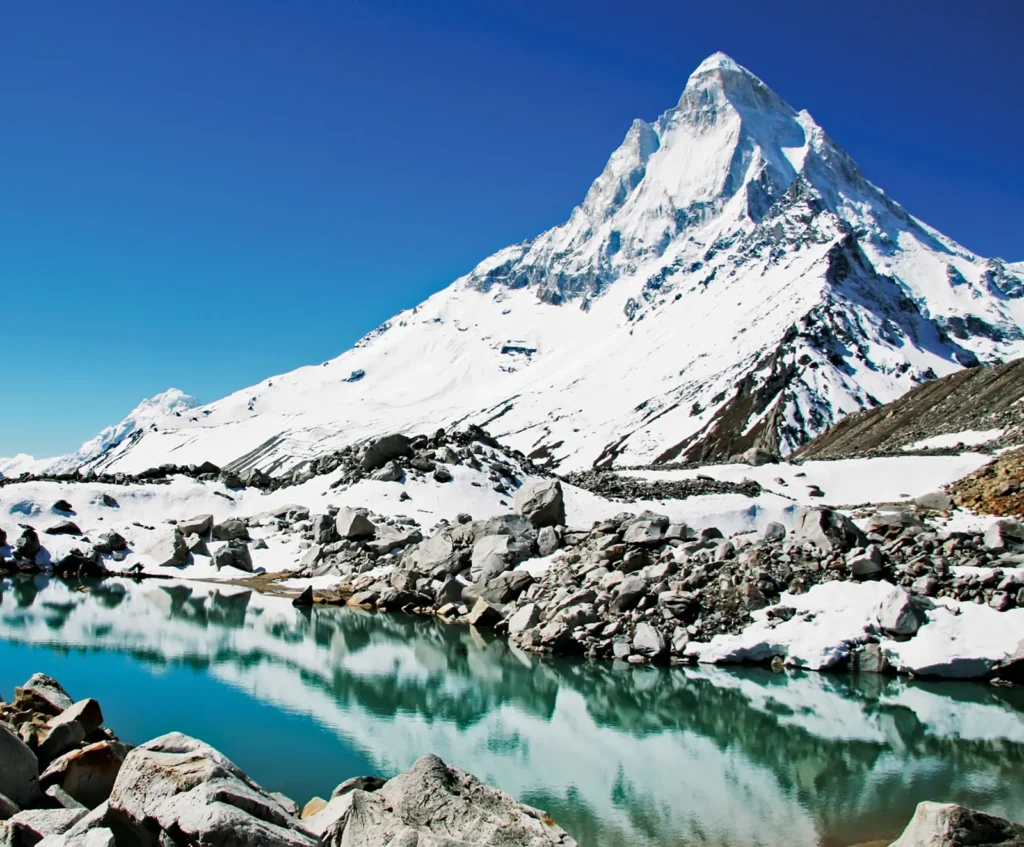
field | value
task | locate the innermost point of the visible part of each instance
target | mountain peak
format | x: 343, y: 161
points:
x: 718, y: 62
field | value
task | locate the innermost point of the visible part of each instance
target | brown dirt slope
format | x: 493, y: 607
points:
x: 981, y: 398
x: 994, y: 489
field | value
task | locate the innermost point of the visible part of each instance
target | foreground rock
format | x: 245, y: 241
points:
x: 949, y: 825
x: 434, y: 804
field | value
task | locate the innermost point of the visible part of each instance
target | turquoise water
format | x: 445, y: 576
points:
x: 301, y: 699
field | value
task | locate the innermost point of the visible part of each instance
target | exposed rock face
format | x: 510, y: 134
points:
x: 542, y: 502
x: 19, y: 773
x: 440, y: 806
x: 178, y: 784
x: 949, y: 825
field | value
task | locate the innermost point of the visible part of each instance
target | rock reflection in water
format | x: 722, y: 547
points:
x: 619, y: 755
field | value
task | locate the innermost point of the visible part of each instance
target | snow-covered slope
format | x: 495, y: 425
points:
x: 170, y: 403
x: 731, y: 279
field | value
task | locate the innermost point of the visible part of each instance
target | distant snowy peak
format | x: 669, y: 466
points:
x: 731, y: 279
x: 170, y: 403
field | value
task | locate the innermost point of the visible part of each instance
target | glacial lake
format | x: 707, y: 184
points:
x: 619, y: 755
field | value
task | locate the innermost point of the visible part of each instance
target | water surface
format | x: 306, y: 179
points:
x: 620, y: 755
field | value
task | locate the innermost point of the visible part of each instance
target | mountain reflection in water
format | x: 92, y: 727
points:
x: 620, y: 755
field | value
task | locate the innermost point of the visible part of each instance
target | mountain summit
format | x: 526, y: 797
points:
x: 731, y: 279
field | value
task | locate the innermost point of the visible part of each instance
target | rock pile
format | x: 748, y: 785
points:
x: 639, y: 588
x: 67, y: 782
x: 615, y: 486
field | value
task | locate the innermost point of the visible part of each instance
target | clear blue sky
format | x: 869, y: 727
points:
x: 202, y: 194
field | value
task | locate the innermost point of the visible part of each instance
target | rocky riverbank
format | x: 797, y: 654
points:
x: 66, y: 781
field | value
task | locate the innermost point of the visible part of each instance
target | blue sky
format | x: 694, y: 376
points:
x: 202, y: 194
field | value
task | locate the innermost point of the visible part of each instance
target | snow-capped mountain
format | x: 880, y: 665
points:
x: 147, y: 414
x: 731, y: 279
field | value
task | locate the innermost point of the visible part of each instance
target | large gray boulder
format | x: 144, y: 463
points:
x: 352, y: 524
x: 87, y: 774
x: 178, y: 784
x: 758, y: 456
x: 647, y: 641
x: 383, y: 450
x: 902, y: 614
x: 233, y: 529
x: 492, y: 556
x: 199, y: 525
x: 33, y: 825
x: 950, y: 825
x: 542, y: 502
x: 42, y: 694
x: 434, y: 805
x: 828, y: 530
x: 169, y: 550
x: 1003, y: 535
x: 28, y: 544
x: 435, y: 557
x: 19, y: 769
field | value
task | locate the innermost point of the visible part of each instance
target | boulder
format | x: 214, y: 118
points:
x: 390, y: 538
x: 62, y: 506
x: 108, y: 501
x: 828, y: 530
x: 19, y: 774
x: 938, y: 501
x: 505, y: 588
x: 305, y: 598
x: 949, y: 825
x: 33, y: 825
x: 866, y: 564
x: 646, y: 532
x: 434, y: 805
x: 774, y: 531
x: 58, y: 740
x: 352, y: 524
x: 647, y: 641
x: 902, y: 614
x: 324, y: 531
x: 63, y: 528
x: 27, y: 545
x: 492, y: 556
x: 542, y: 503
x: 86, y: 713
x: 1004, y: 535
x: 87, y: 774
x: 8, y: 808
x: 180, y: 785
x: 434, y: 557
x: 631, y: 590
x: 169, y: 550
x: 42, y: 694
x: 442, y: 474
x: 115, y: 541
x: 525, y: 618
x: 199, y: 525
x: 391, y: 472
x: 758, y: 456
x: 234, y: 554
x: 233, y: 529
x: 548, y: 541
x: 382, y: 450
x: 483, y: 614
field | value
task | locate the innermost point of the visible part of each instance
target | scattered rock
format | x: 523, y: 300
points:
x: 199, y: 525
x: 542, y: 503
x: 64, y: 528
x: 352, y: 524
